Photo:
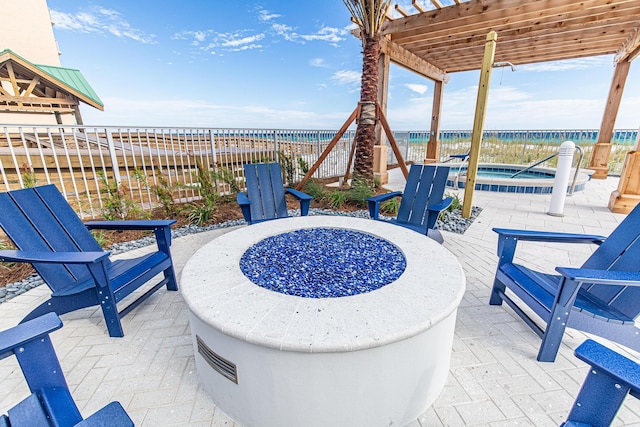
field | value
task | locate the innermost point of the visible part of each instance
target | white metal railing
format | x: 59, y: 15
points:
x: 83, y: 160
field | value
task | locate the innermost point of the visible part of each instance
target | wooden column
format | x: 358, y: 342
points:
x: 627, y: 196
x: 600, y: 157
x: 478, y: 122
x: 433, y: 147
x: 383, y: 93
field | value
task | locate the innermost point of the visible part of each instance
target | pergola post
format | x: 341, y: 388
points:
x: 433, y: 147
x: 600, y: 157
x: 478, y: 122
x: 380, y: 151
x: 627, y: 195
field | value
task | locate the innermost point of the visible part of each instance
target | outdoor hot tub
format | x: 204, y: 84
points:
x: 497, y: 177
x: 323, y: 321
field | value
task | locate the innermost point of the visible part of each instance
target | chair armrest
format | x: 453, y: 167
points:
x: 245, y: 206
x: 374, y: 202
x: 508, y: 240
x: 611, y: 363
x: 440, y: 206
x: 45, y: 257
x: 384, y: 197
x: 548, y: 236
x: 27, y: 331
x: 304, y: 198
x: 130, y: 224
x: 601, y: 277
x: 111, y: 415
x: 298, y: 194
x: 243, y: 199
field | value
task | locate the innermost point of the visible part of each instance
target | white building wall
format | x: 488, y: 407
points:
x: 27, y: 30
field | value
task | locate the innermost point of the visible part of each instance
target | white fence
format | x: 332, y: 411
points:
x: 84, y: 161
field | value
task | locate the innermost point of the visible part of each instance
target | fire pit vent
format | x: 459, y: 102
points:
x: 221, y: 365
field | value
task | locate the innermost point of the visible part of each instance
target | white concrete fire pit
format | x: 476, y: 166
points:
x: 361, y: 337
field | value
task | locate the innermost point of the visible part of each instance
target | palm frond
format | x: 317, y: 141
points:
x: 368, y: 14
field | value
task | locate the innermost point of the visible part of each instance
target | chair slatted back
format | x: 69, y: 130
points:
x: 265, y: 191
x: 425, y: 187
x: 619, y: 252
x: 40, y: 219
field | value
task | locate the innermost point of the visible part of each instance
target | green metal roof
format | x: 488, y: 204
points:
x: 72, y: 78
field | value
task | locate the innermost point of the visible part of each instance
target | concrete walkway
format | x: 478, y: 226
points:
x: 494, y: 378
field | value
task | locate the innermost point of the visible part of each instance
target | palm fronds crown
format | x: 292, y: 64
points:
x: 368, y: 14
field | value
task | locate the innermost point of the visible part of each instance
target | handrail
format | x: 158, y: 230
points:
x: 534, y: 165
x: 575, y: 175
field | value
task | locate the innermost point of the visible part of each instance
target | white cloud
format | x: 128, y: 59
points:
x: 567, y: 65
x: 331, y: 35
x: 100, y: 20
x: 417, y: 88
x: 233, y: 40
x: 346, y: 77
x: 215, y: 43
x: 265, y: 15
x: 328, y: 34
x: 317, y: 62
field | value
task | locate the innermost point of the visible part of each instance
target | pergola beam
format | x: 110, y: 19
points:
x: 402, y: 11
x: 496, y: 12
x: 417, y: 6
x: 404, y: 58
x: 616, y: 23
x: 631, y: 48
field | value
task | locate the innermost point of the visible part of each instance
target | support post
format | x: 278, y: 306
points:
x: 600, y: 157
x: 627, y: 195
x: 384, y: 64
x: 433, y: 147
x: 394, y: 144
x: 478, y: 122
x: 330, y: 147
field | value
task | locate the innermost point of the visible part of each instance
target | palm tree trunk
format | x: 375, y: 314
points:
x: 366, y: 129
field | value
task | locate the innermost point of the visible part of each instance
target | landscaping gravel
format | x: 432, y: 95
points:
x: 451, y: 221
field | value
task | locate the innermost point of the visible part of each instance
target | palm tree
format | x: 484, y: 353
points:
x: 369, y: 16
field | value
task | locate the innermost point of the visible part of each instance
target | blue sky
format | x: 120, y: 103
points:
x: 294, y: 65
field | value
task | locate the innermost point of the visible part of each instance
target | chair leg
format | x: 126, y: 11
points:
x: 304, y: 207
x: 590, y: 407
x: 558, y: 318
x: 170, y: 275
x: 498, y: 287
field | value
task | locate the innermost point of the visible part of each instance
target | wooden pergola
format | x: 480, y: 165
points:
x: 438, y: 40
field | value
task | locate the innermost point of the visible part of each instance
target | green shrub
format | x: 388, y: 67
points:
x: 116, y: 204
x: 315, y: 190
x: 391, y: 206
x: 456, y: 204
x: 164, y: 193
x: 337, y: 198
x: 201, y: 213
x: 359, y: 192
x: 4, y: 245
x: 227, y: 176
x: 29, y: 179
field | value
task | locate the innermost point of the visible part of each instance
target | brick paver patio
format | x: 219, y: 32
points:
x: 494, y: 378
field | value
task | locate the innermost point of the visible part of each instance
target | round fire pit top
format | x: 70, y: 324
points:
x: 218, y: 292
x: 323, y: 263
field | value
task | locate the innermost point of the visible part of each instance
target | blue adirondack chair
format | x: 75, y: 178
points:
x: 50, y: 236
x: 265, y: 198
x: 602, y: 297
x: 610, y: 379
x: 422, y: 200
x: 50, y: 402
